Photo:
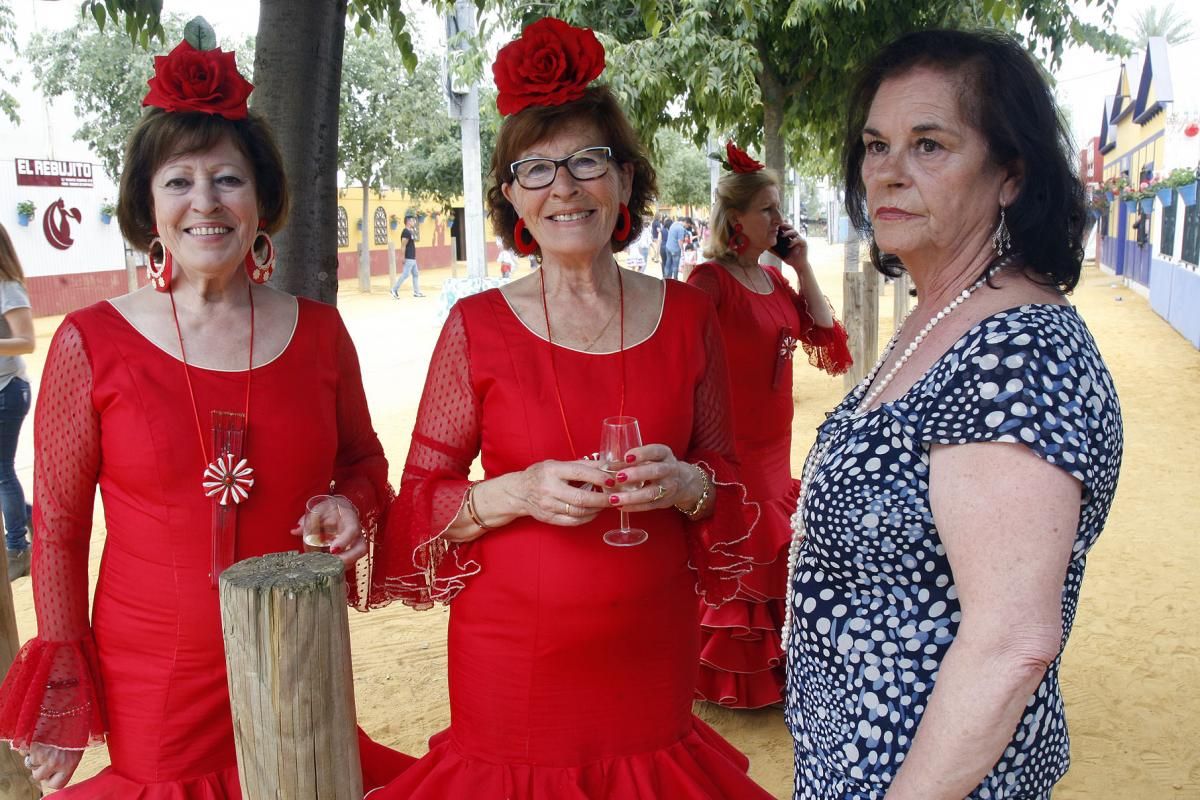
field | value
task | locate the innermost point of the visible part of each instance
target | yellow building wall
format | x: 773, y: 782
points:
x: 1137, y: 146
x: 394, y: 204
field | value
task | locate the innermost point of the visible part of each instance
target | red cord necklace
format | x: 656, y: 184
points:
x: 226, y: 477
x: 554, y: 367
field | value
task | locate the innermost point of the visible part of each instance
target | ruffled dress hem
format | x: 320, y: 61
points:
x: 699, y: 766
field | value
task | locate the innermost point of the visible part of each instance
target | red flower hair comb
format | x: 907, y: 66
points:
x: 550, y: 64
x: 204, y: 79
x: 736, y: 159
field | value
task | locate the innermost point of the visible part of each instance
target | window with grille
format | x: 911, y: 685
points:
x: 1191, y: 234
x: 343, y: 223
x: 381, y: 222
x: 1166, y: 243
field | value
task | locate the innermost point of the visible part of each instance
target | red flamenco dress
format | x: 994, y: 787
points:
x: 741, y: 656
x: 147, y: 674
x: 572, y: 664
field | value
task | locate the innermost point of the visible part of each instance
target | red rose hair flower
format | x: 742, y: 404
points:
x: 739, y: 160
x: 208, y: 81
x: 550, y: 64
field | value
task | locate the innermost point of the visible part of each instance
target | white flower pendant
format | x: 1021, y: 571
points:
x: 226, y: 481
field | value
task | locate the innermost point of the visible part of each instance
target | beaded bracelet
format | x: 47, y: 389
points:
x: 471, y: 508
x: 705, y: 489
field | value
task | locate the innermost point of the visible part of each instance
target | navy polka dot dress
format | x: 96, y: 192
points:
x: 875, y: 605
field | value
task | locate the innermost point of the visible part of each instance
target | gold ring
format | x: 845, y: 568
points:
x: 569, y: 514
x: 662, y: 492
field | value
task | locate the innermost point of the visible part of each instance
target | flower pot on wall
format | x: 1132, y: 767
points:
x: 23, y: 219
x: 1130, y: 206
x: 1165, y: 197
x: 1188, y: 194
x: 1147, y: 205
x: 105, y: 218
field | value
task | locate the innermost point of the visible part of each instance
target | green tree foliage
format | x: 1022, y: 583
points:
x: 428, y: 162
x: 106, y: 73
x: 374, y: 107
x: 777, y: 71
x: 1166, y: 21
x: 8, y: 42
x: 683, y: 170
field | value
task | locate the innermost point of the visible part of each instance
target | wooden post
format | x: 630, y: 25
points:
x: 899, y: 300
x: 860, y: 292
x: 391, y: 262
x: 287, y: 650
x: 15, y: 781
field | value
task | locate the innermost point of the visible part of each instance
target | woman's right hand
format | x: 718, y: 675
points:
x: 51, y: 766
x: 566, y: 493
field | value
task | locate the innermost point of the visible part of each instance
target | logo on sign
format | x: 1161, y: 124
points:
x: 56, y: 224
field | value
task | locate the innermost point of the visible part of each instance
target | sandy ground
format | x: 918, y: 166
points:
x: 1132, y: 665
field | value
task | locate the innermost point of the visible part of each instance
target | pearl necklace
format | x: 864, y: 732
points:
x: 818, y: 455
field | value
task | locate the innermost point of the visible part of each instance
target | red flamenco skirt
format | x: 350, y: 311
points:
x: 741, y: 652
x: 379, y: 765
x: 700, y: 766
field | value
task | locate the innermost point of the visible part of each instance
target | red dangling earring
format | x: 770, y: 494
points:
x: 260, y: 271
x: 523, y: 240
x: 624, y: 224
x: 738, y: 242
x: 159, y: 274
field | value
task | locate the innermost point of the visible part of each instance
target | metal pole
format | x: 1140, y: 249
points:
x: 464, y: 12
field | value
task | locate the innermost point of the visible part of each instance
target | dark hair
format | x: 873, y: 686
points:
x: 161, y: 136
x: 1006, y: 99
x: 534, y: 124
x: 10, y: 265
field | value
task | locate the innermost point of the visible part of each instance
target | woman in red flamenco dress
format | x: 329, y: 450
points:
x: 178, y: 401
x: 571, y: 661
x: 763, y: 319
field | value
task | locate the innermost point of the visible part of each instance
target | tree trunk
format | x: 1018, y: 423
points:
x: 773, y: 101
x: 300, y: 44
x: 364, y: 253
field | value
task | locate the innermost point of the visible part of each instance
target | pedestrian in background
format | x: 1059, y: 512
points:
x: 16, y: 339
x: 408, y: 237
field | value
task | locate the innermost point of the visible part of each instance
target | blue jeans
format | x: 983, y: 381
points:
x: 671, y: 265
x: 410, y: 268
x: 14, y: 405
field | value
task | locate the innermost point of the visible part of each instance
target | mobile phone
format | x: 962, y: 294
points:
x: 782, y: 245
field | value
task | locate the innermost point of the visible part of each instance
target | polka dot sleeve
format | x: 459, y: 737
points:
x: 52, y: 693
x: 413, y: 563
x: 1031, y: 376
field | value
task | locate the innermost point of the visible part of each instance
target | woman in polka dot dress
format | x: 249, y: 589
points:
x: 950, y: 500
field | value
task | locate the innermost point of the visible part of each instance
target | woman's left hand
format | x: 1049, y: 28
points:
x: 664, y: 481
x: 349, y: 543
x: 797, y: 256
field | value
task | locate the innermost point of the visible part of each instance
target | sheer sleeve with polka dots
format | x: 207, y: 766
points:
x: 414, y: 563
x: 715, y: 543
x: 53, y: 693
x: 827, y: 348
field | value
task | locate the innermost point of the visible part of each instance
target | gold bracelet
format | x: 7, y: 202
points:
x: 705, y: 489
x: 471, y: 508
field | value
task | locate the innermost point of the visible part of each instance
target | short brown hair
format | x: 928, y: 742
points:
x: 161, y: 136
x: 534, y: 124
x: 735, y: 190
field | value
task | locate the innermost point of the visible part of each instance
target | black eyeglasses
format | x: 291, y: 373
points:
x: 584, y: 165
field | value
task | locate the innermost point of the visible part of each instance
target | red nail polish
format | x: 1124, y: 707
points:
x: 630, y: 459
x: 622, y: 477
x: 609, y: 482
x: 614, y: 499
x: 334, y: 549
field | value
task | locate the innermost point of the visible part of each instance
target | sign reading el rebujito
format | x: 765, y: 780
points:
x: 46, y: 172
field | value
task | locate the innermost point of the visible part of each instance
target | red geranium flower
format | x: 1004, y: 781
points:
x: 188, y: 79
x: 551, y: 64
x: 739, y: 160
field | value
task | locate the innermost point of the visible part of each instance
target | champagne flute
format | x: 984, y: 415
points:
x: 619, y: 435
